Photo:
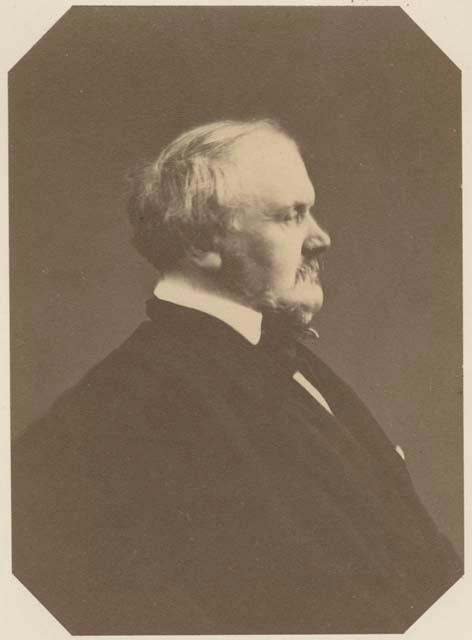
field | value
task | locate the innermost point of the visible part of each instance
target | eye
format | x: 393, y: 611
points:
x: 296, y: 214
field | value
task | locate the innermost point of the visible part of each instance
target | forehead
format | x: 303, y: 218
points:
x: 269, y: 168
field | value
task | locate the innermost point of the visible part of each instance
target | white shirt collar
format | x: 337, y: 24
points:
x: 180, y: 290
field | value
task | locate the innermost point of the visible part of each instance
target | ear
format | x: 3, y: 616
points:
x: 205, y: 260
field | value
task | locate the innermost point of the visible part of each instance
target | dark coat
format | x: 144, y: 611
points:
x: 188, y: 485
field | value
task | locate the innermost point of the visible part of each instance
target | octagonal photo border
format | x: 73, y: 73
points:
x: 25, y: 617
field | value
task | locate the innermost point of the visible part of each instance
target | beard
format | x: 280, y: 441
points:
x: 309, y: 272
x: 294, y: 307
x: 297, y: 315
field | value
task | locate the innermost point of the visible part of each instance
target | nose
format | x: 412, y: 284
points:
x: 316, y: 239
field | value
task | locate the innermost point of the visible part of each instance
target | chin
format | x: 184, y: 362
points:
x: 303, y: 308
x: 297, y: 312
x: 305, y: 314
x: 298, y: 304
x: 309, y: 303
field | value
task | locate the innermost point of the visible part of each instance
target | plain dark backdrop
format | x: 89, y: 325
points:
x: 376, y: 106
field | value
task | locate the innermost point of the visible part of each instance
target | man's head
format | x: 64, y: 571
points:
x: 234, y: 201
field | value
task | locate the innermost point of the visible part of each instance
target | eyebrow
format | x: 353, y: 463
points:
x: 300, y: 203
x: 296, y: 204
x: 282, y: 210
x: 279, y: 210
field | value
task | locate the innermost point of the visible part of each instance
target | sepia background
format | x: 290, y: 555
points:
x: 376, y: 107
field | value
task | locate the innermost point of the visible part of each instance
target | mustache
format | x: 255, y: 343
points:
x: 311, y: 269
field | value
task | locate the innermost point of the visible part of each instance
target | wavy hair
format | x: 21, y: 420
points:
x: 178, y: 200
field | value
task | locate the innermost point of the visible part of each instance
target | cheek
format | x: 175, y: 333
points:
x: 278, y: 257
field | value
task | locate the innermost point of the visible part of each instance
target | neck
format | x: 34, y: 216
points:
x: 195, y: 291
x: 206, y: 281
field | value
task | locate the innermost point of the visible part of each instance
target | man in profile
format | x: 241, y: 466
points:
x: 212, y: 475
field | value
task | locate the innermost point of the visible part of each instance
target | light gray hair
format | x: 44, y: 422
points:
x: 178, y: 200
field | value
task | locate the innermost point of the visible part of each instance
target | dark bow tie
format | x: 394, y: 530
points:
x: 283, y: 339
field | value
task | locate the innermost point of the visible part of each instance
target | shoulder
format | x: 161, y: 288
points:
x: 108, y: 402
